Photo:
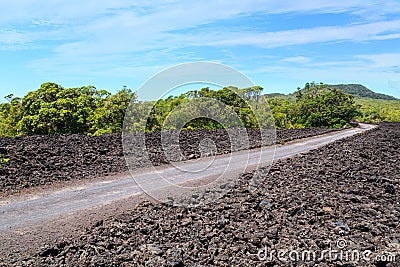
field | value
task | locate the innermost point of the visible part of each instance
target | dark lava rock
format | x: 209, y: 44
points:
x: 390, y: 189
x: 357, y: 214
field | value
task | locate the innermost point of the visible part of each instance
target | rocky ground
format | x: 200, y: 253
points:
x: 343, y: 197
x: 42, y: 160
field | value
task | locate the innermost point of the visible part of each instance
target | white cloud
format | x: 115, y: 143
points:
x: 168, y: 15
x: 120, y: 26
x: 131, y: 36
x: 362, y: 32
x: 28, y: 10
x: 9, y: 37
x: 299, y: 59
x: 95, y: 36
x: 76, y: 9
x: 385, y: 60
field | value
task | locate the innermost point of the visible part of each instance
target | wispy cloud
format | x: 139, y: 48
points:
x: 298, y: 59
x: 130, y: 36
x: 353, y: 33
x: 116, y: 38
x: 10, y: 37
x: 148, y: 22
x: 385, y: 60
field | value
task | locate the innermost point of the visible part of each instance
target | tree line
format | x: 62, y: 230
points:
x: 53, y: 109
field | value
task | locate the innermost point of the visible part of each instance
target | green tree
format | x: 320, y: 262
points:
x: 161, y: 109
x: 283, y: 112
x: 10, y: 114
x: 109, y: 114
x: 243, y: 101
x: 319, y: 105
x: 53, y: 109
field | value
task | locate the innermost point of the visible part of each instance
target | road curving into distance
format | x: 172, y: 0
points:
x: 34, y: 209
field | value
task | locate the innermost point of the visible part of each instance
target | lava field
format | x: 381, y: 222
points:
x: 42, y: 160
x: 344, y: 195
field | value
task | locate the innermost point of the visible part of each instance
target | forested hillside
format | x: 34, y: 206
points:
x: 361, y: 91
x: 374, y: 107
x: 378, y: 110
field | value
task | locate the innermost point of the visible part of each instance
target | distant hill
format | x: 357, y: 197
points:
x: 275, y: 95
x: 362, y: 91
x: 290, y: 97
x: 353, y: 89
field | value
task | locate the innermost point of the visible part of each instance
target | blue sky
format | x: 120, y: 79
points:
x: 280, y: 45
